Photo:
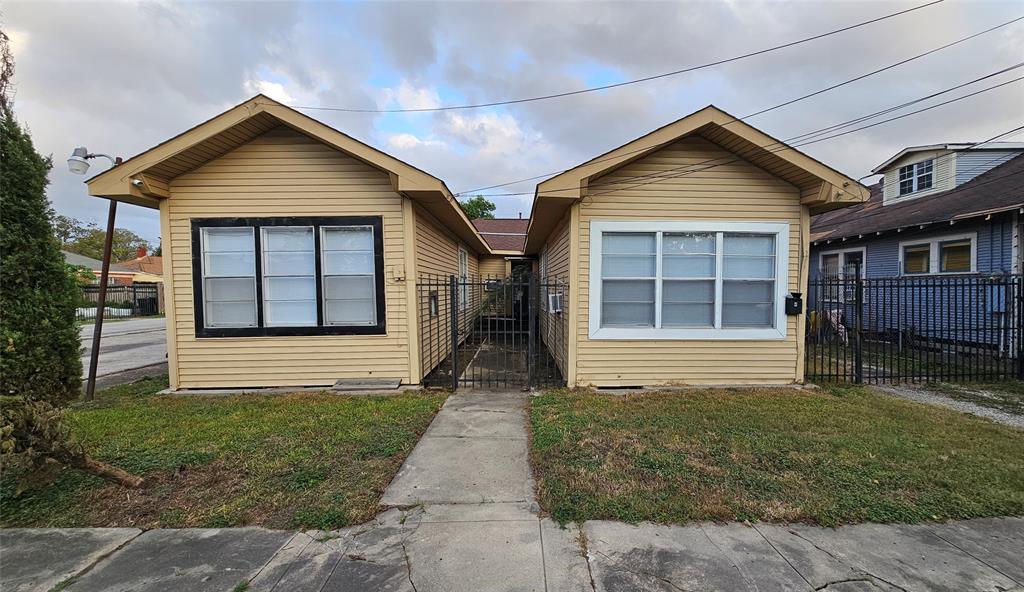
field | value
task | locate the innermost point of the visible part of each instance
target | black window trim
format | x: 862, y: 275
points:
x: 376, y: 222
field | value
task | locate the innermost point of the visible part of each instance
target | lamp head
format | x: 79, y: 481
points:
x: 77, y: 162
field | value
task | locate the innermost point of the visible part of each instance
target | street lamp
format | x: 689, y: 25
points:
x: 78, y: 163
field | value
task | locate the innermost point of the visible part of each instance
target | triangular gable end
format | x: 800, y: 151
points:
x: 143, y: 179
x: 822, y: 188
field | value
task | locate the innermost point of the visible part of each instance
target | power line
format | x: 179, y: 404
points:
x: 627, y: 82
x: 786, y: 103
x: 778, y: 146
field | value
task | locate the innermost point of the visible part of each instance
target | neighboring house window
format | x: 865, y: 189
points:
x: 838, y: 266
x: 688, y: 280
x: 463, y: 279
x: 944, y: 254
x: 916, y: 177
x: 288, y: 276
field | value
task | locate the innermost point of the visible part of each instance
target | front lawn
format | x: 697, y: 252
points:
x: 831, y: 457
x: 288, y: 461
x: 1005, y: 396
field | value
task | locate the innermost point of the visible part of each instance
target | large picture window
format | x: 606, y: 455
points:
x: 288, y: 276
x: 687, y: 280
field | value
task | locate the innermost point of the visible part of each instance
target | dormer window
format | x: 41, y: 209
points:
x: 916, y: 177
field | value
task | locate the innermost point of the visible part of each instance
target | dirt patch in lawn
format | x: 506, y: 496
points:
x: 828, y: 457
x: 290, y: 461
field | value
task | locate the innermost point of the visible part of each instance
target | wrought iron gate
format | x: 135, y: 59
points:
x: 492, y: 332
x: 915, y: 328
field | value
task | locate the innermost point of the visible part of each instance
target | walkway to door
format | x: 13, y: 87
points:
x: 492, y: 332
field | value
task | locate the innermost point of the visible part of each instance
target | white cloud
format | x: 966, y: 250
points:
x: 408, y: 96
x: 274, y: 90
x: 409, y: 142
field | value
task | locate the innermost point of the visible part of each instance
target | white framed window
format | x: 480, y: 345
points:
x: 916, y: 177
x: 688, y: 280
x: 838, y: 265
x: 349, y: 286
x: 463, y: 279
x: 289, y: 276
x: 948, y: 254
x: 229, y: 276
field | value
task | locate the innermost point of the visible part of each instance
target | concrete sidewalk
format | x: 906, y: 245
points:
x: 463, y: 518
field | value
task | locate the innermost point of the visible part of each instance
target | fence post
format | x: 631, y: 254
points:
x: 531, y: 333
x: 453, y: 300
x: 1019, y: 337
x: 858, y: 305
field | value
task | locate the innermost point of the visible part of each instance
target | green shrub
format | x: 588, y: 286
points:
x: 39, y: 347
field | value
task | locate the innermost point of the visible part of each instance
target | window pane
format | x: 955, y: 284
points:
x: 749, y: 244
x: 627, y: 314
x: 228, y: 239
x: 628, y: 243
x: 688, y: 266
x: 357, y: 238
x: 747, y: 292
x: 289, y: 263
x: 233, y: 264
x: 830, y: 265
x: 688, y: 244
x: 230, y: 289
x: 288, y: 239
x: 906, y: 186
x: 688, y: 291
x: 299, y: 313
x: 749, y: 267
x: 290, y: 288
x: 906, y: 172
x: 915, y: 259
x: 628, y: 265
x: 687, y: 315
x: 348, y: 262
x: 955, y: 256
x: 349, y: 287
x: 628, y: 291
x: 230, y: 314
x: 747, y: 315
x: 350, y: 312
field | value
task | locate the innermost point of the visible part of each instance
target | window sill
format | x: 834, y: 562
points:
x: 651, y: 334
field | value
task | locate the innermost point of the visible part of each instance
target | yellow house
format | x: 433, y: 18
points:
x: 679, y: 251
x: 290, y: 249
x: 293, y: 254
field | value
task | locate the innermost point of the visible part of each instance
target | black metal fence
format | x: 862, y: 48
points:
x: 122, y: 302
x: 491, y: 332
x: 907, y: 329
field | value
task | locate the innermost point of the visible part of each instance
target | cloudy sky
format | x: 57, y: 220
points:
x: 119, y: 77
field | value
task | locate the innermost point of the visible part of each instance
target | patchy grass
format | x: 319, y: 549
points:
x: 836, y: 456
x: 286, y: 461
x: 1005, y: 396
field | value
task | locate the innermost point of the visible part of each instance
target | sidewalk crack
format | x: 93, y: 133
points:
x: 855, y: 568
x: 972, y: 556
x: 68, y: 581
x: 784, y: 558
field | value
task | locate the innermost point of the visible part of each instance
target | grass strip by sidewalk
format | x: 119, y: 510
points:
x: 830, y: 457
x: 284, y: 461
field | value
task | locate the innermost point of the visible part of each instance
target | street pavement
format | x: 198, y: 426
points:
x: 126, y: 345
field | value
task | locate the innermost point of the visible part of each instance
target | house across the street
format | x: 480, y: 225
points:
x: 297, y: 255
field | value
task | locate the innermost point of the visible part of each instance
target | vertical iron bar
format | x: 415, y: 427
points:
x: 531, y: 333
x: 858, y: 303
x: 454, y: 312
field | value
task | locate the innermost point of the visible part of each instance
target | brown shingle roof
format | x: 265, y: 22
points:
x: 998, y: 189
x: 503, y: 234
x: 148, y: 264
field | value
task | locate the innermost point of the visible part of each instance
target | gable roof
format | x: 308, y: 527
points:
x: 503, y: 234
x: 961, y: 146
x: 93, y: 264
x: 823, y: 187
x: 148, y: 264
x: 143, y: 179
x: 998, y: 189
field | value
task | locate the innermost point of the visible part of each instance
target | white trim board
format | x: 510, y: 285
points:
x: 842, y: 259
x: 779, y: 229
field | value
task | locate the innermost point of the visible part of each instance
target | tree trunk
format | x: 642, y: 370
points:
x: 108, y: 472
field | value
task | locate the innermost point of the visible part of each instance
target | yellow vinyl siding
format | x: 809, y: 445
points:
x: 494, y: 267
x: 284, y: 173
x: 437, y: 258
x: 734, y: 192
x: 554, y: 327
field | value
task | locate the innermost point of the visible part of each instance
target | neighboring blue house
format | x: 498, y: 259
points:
x: 940, y: 214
